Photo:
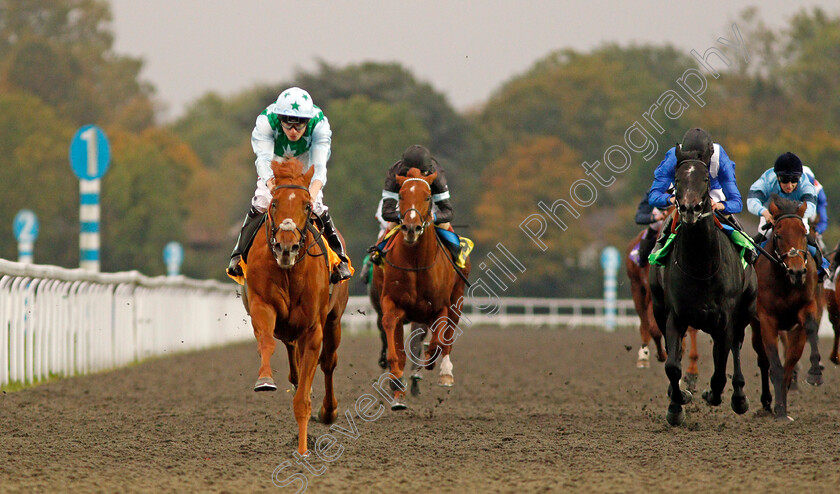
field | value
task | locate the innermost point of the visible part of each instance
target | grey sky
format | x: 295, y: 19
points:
x: 465, y: 49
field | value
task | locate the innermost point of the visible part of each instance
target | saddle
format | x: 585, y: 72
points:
x: 742, y: 243
x: 459, y: 247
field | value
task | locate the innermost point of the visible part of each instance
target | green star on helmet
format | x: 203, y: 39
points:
x: 295, y: 106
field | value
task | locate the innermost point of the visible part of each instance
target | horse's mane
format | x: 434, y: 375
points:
x: 287, y: 168
x: 786, y: 206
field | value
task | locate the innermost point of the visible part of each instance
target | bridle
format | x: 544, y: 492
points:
x: 428, y: 214
x: 706, y: 196
x: 793, y: 252
x: 271, y: 229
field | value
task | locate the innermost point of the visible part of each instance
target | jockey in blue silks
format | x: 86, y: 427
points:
x: 822, y: 205
x: 723, y: 186
x: 787, y: 180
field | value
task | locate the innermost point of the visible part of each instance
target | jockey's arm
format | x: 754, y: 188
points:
x: 822, y: 211
x: 728, y: 184
x: 440, y: 196
x: 319, y: 154
x: 759, y: 194
x: 391, y: 196
x: 262, y: 142
x: 644, y: 213
x: 663, y: 176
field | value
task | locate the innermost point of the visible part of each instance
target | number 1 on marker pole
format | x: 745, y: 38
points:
x: 89, y: 136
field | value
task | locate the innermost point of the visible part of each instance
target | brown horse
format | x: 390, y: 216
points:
x: 288, y: 296
x: 419, y: 284
x: 788, y: 300
x: 416, y: 348
x: 831, y: 297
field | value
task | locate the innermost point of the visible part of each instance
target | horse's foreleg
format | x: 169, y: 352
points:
x: 692, y: 373
x: 329, y: 359
x: 310, y: 345
x: 739, y: 401
x: 834, y: 318
x: 763, y: 365
x: 291, y: 351
x: 770, y: 341
x: 263, y: 318
x: 810, y: 323
x: 450, y: 333
x: 674, y: 333
x: 720, y: 352
x: 392, y: 318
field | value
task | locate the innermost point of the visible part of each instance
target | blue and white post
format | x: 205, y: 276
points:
x: 610, y: 259
x: 25, y: 227
x: 173, y: 256
x: 90, y: 156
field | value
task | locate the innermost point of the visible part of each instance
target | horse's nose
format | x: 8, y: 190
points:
x: 797, y: 276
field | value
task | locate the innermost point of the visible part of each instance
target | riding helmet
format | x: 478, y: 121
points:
x: 699, y: 140
x: 295, y: 103
x: 788, y: 164
x: 417, y: 156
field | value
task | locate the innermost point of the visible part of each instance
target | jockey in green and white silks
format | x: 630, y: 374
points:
x: 290, y: 127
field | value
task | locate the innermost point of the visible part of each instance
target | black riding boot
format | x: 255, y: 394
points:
x: 646, y: 244
x: 249, y: 230
x: 342, y: 271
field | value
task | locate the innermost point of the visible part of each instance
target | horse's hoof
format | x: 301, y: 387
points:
x: 643, y: 359
x: 326, y: 418
x: 383, y: 362
x: 740, y: 405
x: 685, y: 396
x: 784, y: 419
x: 398, y: 405
x: 814, y: 379
x: 711, y: 399
x: 675, y: 415
x: 265, y: 384
x: 415, y: 384
x: 835, y: 359
x: 643, y: 364
x: 446, y: 381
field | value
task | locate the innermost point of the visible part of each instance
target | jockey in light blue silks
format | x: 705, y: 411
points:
x: 822, y: 206
x: 787, y: 180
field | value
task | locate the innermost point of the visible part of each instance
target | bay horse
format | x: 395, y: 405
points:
x: 419, y: 284
x: 789, y: 300
x: 648, y: 329
x: 289, y: 298
x: 704, y: 285
x: 831, y: 298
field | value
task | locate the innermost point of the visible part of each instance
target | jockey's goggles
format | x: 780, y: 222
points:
x: 787, y: 179
x: 296, y: 123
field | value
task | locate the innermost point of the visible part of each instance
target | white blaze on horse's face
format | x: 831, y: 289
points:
x: 288, y: 246
x: 414, y: 208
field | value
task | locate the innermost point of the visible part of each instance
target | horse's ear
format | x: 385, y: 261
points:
x: 802, y: 207
x: 307, y: 177
x: 401, y: 179
x: 678, y: 153
x: 774, y: 209
x: 431, y: 178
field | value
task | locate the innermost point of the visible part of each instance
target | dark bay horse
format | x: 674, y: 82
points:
x: 648, y: 329
x: 702, y: 285
x: 789, y: 299
x: 288, y: 296
x: 419, y: 284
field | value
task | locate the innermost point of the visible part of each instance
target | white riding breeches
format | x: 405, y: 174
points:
x: 262, y: 199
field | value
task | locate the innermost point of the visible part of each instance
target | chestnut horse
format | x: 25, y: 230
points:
x: 703, y: 285
x: 648, y: 328
x: 288, y: 295
x: 788, y: 300
x: 419, y: 284
x: 831, y: 298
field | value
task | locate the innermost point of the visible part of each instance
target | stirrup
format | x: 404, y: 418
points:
x: 340, y: 273
x: 234, y: 269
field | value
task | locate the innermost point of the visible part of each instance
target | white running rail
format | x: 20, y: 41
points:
x: 57, y: 321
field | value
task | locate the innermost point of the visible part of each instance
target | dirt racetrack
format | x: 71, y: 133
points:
x: 532, y: 411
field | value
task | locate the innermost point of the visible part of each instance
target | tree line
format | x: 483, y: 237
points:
x: 536, y: 141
